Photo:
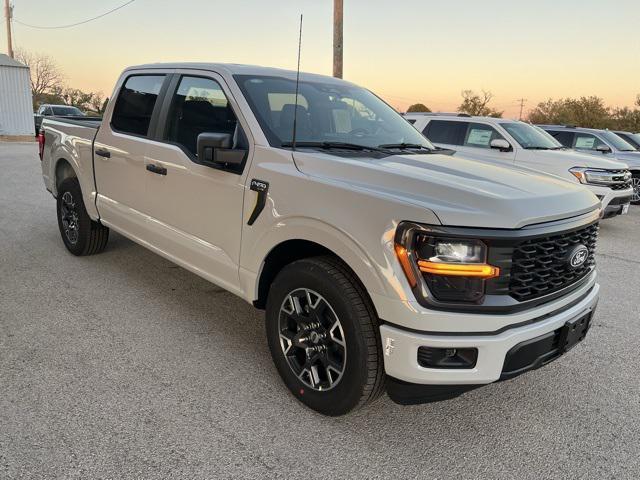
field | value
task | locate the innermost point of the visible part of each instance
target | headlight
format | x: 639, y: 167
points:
x: 448, y: 269
x: 600, y: 177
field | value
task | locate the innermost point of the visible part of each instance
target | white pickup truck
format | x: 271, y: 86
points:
x: 382, y: 264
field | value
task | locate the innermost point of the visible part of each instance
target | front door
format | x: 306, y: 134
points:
x: 477, y: 144
x: 196, y: 210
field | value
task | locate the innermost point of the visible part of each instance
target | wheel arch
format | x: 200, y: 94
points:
x: 61, y: 171
x: 287, y: 251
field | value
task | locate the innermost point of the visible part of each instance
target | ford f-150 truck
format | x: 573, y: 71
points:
x: 382, y: 264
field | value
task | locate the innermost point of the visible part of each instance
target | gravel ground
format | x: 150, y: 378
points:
x: 122, y: 365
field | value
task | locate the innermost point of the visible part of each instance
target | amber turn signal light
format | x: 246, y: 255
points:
x: 403, y: 258
x: 477, y: 270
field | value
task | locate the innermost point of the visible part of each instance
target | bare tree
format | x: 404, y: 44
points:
x: 45, y: 74
x: 475, y: 104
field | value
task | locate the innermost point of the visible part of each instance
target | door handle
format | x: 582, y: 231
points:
x: 156, y: 169
x: 103, y: 153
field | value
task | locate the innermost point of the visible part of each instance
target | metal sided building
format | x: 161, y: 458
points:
x: 16, y: 108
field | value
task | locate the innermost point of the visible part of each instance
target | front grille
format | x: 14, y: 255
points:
x: 619, y: 178
x: 621, y: 186
x: 620, y: 200
x: 540, y: 266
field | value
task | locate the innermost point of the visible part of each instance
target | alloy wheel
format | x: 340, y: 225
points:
x: 69, y: 216
x: 635, y: 183
x: 312, y: 339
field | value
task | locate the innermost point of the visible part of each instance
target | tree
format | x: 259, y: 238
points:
x: 590, y: 112
x: 474, y: 104
x: 88, y: 101
x: 418, y: 107
x: 626, y: 119
x: 45, y: 74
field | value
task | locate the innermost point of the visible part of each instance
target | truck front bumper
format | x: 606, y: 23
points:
x: 613, y: 201
x: 400, y: 348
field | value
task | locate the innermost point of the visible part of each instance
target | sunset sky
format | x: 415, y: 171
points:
x: 407, y: 51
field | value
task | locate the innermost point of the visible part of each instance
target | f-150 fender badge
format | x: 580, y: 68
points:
x: 262, y: 188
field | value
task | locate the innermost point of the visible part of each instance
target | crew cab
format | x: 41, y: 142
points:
x: 519, y: 144
x: 603, y: 144
x: 382, y: 264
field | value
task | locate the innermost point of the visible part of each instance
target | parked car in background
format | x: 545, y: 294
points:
x: 518, y: 144
x: 381, y: 263
x: 48, y: 110
x: 603, y: 144
x: 632, y: 139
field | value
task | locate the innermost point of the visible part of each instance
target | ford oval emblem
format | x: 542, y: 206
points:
x: 578, y: 256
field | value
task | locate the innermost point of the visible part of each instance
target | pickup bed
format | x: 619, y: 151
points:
x: 381, y: 263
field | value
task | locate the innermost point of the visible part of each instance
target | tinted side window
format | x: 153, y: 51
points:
x: 411, y: 121
x: 586, y: 141
x: 444, y: 131
x: 135, y: 103
x: 199, y: 105
x: 565, y: 138
x: 480, y: 136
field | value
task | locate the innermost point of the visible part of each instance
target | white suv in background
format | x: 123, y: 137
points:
x: 519, y: 144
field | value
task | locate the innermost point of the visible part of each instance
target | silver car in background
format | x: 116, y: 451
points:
x: 600, y: 142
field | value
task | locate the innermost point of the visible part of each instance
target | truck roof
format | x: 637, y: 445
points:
x: 239, y: 69
x: 460, y: 117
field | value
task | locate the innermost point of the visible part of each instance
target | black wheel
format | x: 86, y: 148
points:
x: 635, y: 182
x: 323, y: 335
x: 80, y: 234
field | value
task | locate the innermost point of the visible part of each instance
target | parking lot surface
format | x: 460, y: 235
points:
x: 123, y: 365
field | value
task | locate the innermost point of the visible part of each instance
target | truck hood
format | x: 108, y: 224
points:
x: 459, y: 191
x: 632, y: 159
x: 571, y: 158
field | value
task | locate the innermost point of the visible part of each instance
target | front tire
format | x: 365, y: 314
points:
x: 635, y: 182
x: 323, y: 336
x: 80, y: 234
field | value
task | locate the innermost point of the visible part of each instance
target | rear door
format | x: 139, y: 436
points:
x: 196, y: 210
x: 120, y: 148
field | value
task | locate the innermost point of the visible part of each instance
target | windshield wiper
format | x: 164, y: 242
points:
x: 403, y: 146
x: 330, y: 145
x: 537, y: 148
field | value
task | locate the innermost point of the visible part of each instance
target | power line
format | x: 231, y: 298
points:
x: 73, y: 24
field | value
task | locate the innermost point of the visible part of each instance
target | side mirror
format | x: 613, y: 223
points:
x: 500, y: 144
x: 214, y: 150
x: 602, y: 148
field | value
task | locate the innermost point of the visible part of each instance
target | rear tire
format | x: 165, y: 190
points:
x: 323, y: 335
x: 635, y: 181
x: 80, y: 234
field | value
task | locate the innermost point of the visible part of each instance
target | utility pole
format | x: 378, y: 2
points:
x: 337, y: 37
x: 7, y: 15
x: 522, y: 102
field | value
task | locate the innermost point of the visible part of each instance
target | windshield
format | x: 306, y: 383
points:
x: 66, y: 111
x: 329, y: 112
x: 616, y: 141
x: 531, y: 137
x: 635, y: 138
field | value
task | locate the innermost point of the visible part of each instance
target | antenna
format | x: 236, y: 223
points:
x: 295, y: 108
